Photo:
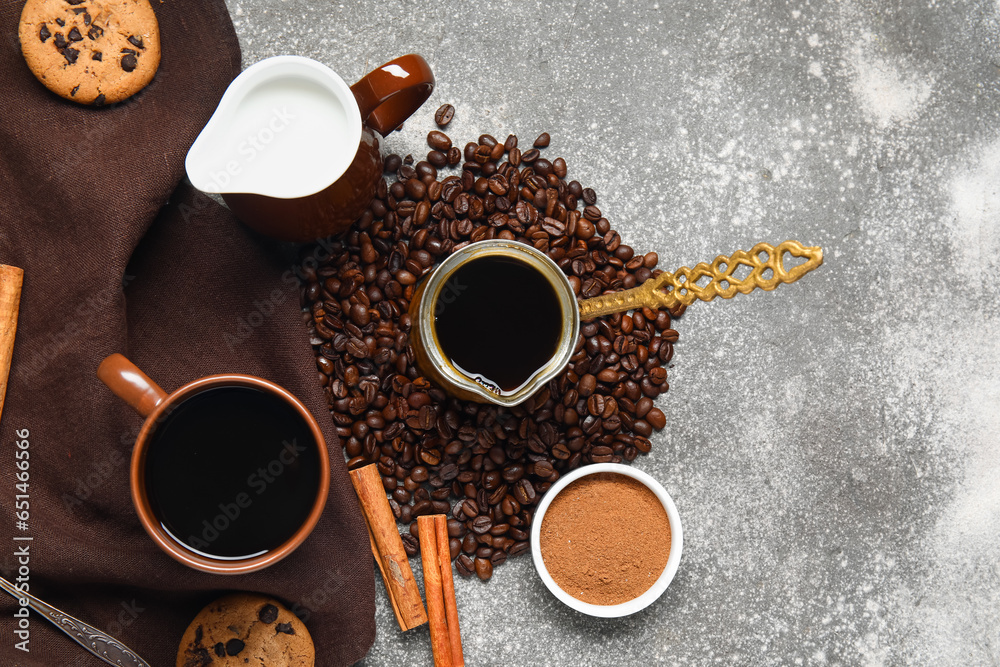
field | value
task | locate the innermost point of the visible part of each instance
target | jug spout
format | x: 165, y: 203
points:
x: 287, y: 127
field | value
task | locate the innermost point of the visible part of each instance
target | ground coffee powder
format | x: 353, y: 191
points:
x: 605, y: 539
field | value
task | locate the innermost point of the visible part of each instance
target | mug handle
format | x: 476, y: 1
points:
x: 130, y: 384
x: 390, y: 94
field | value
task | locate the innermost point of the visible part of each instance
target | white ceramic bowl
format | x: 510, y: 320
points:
x: 673, y: 560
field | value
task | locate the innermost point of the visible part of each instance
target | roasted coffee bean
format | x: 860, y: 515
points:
x: 595, y: 405
x: 542, y: 141
x: 497, y: 152
x: 543, y: 469
x: 456, y: 528
x: 357, y: 348
x: 517, y: 549
x: 643, y: 406
x: 491, y: 480
x: 470, y: 508
x: 444, y: 114
x: 438, y: 141
x: 513, y: 473
x: 416, y: 189
x: 481, y: 524
x: 588, y: 383
x: 464, y: 565
x: 440, y: 506
x: 484, y: 568
x: 410, y: 544
x: 499, y: 529
x: 656, y: 419
x: 454, y: 547
x: 642, y: 427
x: 393, y: 163
x: 438, y: 159
x: 519, y: 534
x: 525, y: 492
x: 422, y: 507
x: 470, y: 151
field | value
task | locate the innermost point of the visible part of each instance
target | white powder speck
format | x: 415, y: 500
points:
x: 816, y: 70
x: 852, y: 148
x: 886, y: 94
x: 813, y: 40
x: 975, y: 201
x: 727, y: 150
x: 872, y: 652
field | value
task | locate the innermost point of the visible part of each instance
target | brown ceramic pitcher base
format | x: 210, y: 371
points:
x: 327, y: 213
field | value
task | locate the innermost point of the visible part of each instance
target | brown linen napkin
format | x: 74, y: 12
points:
x: 183, y: 290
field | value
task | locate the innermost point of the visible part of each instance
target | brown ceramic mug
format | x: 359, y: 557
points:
x: 229, y: 473
x: 293, y: 149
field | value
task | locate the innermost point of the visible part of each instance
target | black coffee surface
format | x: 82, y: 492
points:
x: 232, y: 472
x: 499, y: 319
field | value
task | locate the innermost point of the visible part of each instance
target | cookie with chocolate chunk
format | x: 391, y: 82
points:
x: 246, y: 629
x: 91, y: 51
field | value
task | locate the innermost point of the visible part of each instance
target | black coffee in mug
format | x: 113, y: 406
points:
x: 498, y: 320
x: 232, y: 472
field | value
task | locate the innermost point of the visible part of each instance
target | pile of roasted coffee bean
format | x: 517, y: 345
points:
x: 483, y: 465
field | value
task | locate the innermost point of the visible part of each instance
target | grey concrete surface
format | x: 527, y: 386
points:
x: 832, y: 446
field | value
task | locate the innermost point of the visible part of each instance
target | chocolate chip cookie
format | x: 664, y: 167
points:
x: 246, y: 629
x: 91, y: 51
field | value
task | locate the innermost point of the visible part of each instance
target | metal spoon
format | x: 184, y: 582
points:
x: 102, y: 645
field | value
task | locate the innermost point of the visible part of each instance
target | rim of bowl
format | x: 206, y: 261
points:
x: 673, y: 559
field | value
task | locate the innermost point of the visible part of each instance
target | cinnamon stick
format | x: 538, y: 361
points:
x: 11, y: 278
x: 388, y: 548
x: 440, y: 640
x: 448, y: 588
x: 381, y: 568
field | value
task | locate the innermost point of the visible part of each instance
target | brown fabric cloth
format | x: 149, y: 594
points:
x: 83, y: 209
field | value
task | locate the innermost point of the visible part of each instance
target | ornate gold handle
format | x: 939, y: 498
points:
x: 681, y: 287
